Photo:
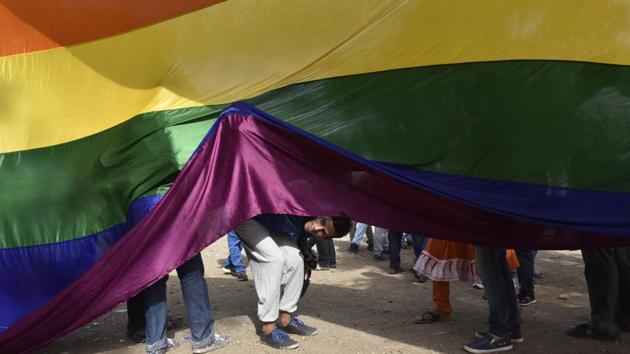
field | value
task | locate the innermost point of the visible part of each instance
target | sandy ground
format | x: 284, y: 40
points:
x: 359, y: 308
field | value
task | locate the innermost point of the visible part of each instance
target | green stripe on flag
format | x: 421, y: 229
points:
x: 545, y: 122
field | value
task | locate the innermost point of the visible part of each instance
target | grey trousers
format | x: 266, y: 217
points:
x: 277, y: 266
x: 380, y: 240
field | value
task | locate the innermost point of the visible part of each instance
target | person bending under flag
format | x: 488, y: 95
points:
x: 273, y: 244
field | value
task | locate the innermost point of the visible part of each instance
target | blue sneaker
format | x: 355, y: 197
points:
x: 489, y: 344
x: 298, y: 327
x: 517, y: 337
x: 279, y: 339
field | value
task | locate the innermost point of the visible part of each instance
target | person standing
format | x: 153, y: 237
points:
x: 525, y: 273
x: 357, y: 232
x: 395, y: 239
x: 326, y: 254
x: 198, y: 310
x: 504, y: 326
x: 444, y: 261
x: 381, y: 247
x: 233, y: 264
x: 607, y: 272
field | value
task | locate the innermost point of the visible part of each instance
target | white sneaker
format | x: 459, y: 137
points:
x: 218, y: 341
x: 477, y: 285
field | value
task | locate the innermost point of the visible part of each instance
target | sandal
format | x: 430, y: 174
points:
x: 427, y: 317
x: 584, y: 331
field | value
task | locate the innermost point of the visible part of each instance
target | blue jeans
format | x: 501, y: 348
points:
x: 234, y: 259
x: 395, y: 243
x: 525, y: 272
x: 503, y: 319
x: 359, y: 233
x: 196, y: 299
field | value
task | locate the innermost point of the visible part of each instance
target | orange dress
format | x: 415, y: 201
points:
x: 443, y: 260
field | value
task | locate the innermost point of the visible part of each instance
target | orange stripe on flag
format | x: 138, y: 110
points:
x: 28, y: 26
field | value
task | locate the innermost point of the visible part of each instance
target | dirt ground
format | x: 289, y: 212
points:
x: 359, y: 308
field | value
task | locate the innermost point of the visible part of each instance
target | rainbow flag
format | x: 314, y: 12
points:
x: 494, y: 123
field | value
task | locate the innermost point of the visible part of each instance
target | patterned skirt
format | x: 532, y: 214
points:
x: 443, y: 260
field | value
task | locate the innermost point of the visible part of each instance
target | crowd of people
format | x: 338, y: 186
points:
x: 280, y: 255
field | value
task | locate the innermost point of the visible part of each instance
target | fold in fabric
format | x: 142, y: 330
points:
x: 251, y: 163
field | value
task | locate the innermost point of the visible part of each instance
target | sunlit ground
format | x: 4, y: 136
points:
x: 361, y: 309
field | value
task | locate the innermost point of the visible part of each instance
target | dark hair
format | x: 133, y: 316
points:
x: 342, y: 226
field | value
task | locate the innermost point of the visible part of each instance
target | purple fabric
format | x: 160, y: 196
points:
x: 253, y: 164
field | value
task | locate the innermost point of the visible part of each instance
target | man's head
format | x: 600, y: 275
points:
x: 328, y: 227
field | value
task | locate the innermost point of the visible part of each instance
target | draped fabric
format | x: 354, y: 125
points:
x: 492, y: 122
x: 225, y: 183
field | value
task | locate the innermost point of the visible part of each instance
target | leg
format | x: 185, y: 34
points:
x: 332, y: 253
x: 369, y: 233
x: 526, y: 277
x: 267, y: 263
x: 292, y: 276
x: 155, y: 315
x: 394, y: 238
x: 623, y: 264
x: 499, y: 288
x: 353, y: 229
x: 323, y: 252
x: 197, y: 301
x: 418, y: 245
x: 441, y: 298
x: 135, y: 316
x: 602, y: 279
x: 359, y: 232
x: 380, y: 235
x: 235, y: 259
x: 311, y: 241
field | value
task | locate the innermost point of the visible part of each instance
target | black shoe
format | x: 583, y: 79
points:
x: 413, y: 271
x: 228, y: 270
x: 584, y: 331
x: 174, y: 322
x: 242, y: 276
x: 420, y: 278
x: 370, y: 247
x: 320, y: 267
x: 526, y: 300
x: 137, y: 335
x: 379, y: 257
x: 298, y: 327
x: 279, y: 339
x: 334, y: 266
x: 354, y: 248
x: 395, y: 270
x: 516, y: 337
